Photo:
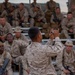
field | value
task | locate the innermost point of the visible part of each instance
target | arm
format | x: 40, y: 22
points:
x: 26, y: 16
x: 25, y: 64
x: 21, y: 43
x: 10, y: 29
x: 25, y: 39
x: 5, y: 64
x: 8, y: 56
x: 32, y: 14
x: 42, y: 14
x: 60, y: 63
x: 59, y: 60
x: 52, y: 17
x: 63, y: 24
x: 50, y: 42
x: 15, y: 16
x: 55, y: 49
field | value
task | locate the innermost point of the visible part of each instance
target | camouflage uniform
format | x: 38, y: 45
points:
x: 4, y: 13
x: 46, y: 29
x: 18, y: 15
x: 16, y: 49
x: 73, y: 10
x: 48, y: 14
x: 21, y: 37
x: 3, y: 56
x: 50, y: 9
x: 38, y: 56
x: 66, y: 60
x: 6, y: 29
x: 67, y: 25
x: 35, y: 15
x: 59, y: 17
x: 5, y: 6
x: 8, y: 14
x: 71, y: 2
x: 34, y: 5
x: 51, y: 5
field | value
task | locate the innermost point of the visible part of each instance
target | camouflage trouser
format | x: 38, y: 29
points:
x: 32, y: 21
x: 15, y: 23
x: 65, y: 32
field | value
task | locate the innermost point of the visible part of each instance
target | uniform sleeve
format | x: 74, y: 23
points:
x: 59, y: 60
x: 21, y: 43
x: 26, y: 15
x: 10, y: 29
x: 25, y: 63
x: 63, y: 24
x: 72, y: 23
x: 6, y: 47
x: 25, y: 39
x: 4, y: 13
x: 10, y: 58
x: 52, y: 17
x: 55, y: 49
x: 42, y: 14
x: 15, y: 16
x: 32, y: 14
x: 50, y: 42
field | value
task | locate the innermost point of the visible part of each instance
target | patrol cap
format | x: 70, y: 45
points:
x: 69, y: 43
x: 17, y: 29
x: 33, y: 31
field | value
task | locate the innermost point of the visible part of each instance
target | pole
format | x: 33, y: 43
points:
x: 29, y: 1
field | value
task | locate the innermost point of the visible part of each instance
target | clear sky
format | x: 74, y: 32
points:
x: 61, y: 2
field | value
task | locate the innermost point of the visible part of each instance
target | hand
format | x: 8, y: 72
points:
x: 51, y: 35
x: 71, y: 30
x: 27, y: 71
x: 39, y: 20
x: 66, y: 71
x: 22, y: 19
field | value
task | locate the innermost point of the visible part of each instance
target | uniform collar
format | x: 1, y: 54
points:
x: 35, y: 43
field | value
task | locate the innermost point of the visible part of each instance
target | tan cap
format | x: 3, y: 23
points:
x: 17, y: 29
x: 69, y: 43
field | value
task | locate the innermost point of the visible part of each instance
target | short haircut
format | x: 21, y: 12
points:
x: 22, y: 4
x: 57, y: 7
x: 69, y: 13
x: 33, y: 31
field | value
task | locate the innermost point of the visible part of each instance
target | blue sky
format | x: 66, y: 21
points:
x: 61, y: 2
